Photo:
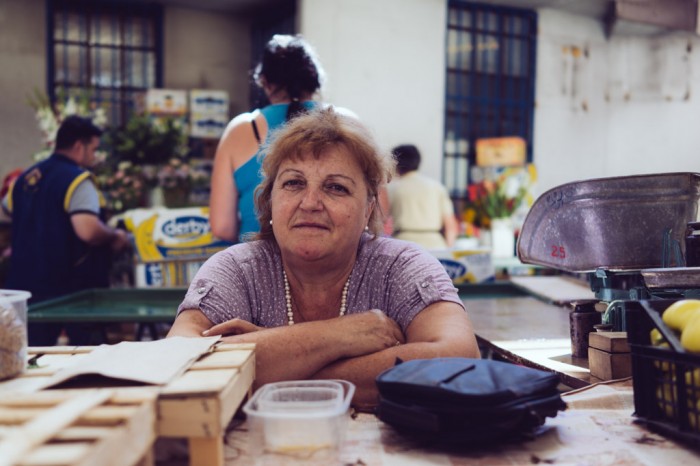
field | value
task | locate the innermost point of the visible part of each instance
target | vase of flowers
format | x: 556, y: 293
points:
x: 495, y: 196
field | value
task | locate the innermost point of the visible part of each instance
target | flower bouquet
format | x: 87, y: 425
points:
x: 49, y: 117
x: 498, y: 193
x: 122, y: 186
x: 146, y: 140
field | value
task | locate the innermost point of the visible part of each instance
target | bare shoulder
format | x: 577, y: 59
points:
x: 238, y: 143
x: 240, y: 122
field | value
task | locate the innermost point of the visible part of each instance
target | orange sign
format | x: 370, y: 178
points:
x: 500, y: 152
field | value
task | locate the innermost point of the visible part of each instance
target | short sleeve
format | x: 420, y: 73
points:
x: 417, y: 280
x: 219, y: 290
x: 84, y: 198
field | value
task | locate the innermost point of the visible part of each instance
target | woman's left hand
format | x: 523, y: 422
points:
x: 232, y: 327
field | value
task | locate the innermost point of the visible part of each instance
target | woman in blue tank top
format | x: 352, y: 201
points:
x: 290, y: 75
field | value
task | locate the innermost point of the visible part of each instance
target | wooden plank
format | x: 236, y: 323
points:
x: 222, y: 360
x: 612, y: 342
x: 609, y: 366
x: 127, y: 418
x: 206, y: 451
x: 58, y: 454
x: 189, y: 417
x: 234, y: 394
x: 44, y: 426
x: 199, y: 382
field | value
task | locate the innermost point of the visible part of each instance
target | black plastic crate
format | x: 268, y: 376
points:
x: 666, y: 380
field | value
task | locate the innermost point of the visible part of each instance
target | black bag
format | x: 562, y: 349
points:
x: 462, y: 401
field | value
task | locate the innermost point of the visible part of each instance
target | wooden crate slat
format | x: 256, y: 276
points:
x: 222, y: 360
x: 235, y: 393
x: 189, y: 417
x: 46, y: 425
x: 58, y: 454
x: 77, y: 432
x: 199, y: 382
x: 14, y: 416
x: 234, y: 347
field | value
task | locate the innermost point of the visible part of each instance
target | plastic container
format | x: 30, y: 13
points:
x: 666, y: 380
x: 13, y: 332
x: 299, y: 421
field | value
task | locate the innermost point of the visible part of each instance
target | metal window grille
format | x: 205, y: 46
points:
x: 109, y: 52
x: 490, y: 87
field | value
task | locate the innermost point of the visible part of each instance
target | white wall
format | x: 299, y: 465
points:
x: 22, y: 69
x: 207, y: 50
x: 641, y: 94
x: 658, y: 128
x: 385, y: 61
x: 571, y: 114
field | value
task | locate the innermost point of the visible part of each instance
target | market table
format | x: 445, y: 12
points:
x: 597, y: 429
x: 515, y: 326
x: 104, y: 306
x: 197, y: 405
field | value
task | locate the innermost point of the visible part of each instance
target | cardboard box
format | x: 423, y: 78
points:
x: 209, y: 102
x: 166, y: 102
x: 466, y: 266
x: 609, y: 355
x: 167, y: 234
x: 207, y: 125
x: 500, y: 152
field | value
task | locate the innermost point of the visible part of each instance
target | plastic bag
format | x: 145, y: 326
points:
x: 13, y: 342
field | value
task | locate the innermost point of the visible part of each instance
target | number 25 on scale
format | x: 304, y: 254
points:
x: 558, y: 251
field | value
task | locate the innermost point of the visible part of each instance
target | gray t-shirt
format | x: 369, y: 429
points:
x: 85, y: 198
x: 245, y: 281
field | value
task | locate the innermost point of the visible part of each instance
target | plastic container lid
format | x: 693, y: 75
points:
x: 301, y: 399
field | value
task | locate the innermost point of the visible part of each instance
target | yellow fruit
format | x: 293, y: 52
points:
x: 665, y: 396
x: 692, y: 379
x: 679, y: 314
x: 656, y: 337
x: 690, y: 337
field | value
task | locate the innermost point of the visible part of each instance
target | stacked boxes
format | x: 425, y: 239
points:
x: 171, y: 244
x: 208, y: 113
x: 467, y: 265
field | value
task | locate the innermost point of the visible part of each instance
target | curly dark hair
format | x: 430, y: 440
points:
x: 289, y: 63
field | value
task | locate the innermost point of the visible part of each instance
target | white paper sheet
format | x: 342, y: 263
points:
x: 152, y: 362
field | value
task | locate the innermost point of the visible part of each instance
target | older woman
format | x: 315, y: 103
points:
x: 319, y: 292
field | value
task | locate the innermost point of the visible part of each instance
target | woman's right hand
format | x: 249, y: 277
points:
x: 368, y: 332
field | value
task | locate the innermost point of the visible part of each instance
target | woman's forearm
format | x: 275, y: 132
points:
x: 363, y: 370
x: 289, y: 353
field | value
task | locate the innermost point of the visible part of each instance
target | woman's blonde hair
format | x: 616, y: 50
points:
x: 313, y: 134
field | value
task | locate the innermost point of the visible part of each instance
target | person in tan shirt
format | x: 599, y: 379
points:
x: 421, y: 208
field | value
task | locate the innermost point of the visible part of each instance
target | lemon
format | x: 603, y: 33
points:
x: 690, y: 337
x: 679, y: 314
x: 656, y: 337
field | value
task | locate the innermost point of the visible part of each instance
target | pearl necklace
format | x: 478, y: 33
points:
x: 288, y: 299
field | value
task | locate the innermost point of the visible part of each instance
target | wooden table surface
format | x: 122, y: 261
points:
x: 528, y: 331
x: 597, y: 429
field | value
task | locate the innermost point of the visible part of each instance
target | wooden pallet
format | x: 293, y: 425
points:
x: 198, y: 405
x: 78, y: 427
